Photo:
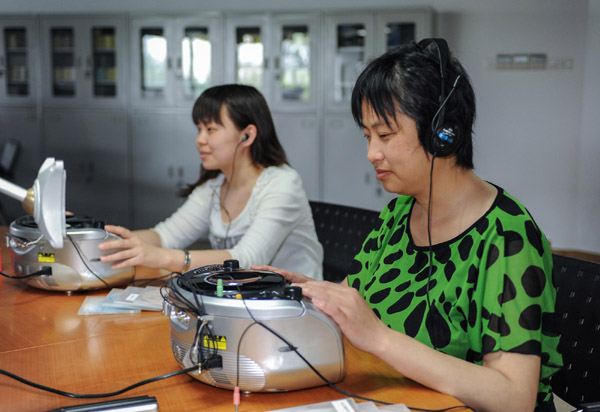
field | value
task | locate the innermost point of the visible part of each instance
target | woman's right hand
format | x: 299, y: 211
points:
x: 293, y: 277
x: 130, y: 250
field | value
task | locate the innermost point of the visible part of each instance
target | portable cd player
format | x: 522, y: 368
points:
x: 243, y: 327
x: 74, y: 266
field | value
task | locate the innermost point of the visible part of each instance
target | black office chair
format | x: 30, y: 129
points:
x: 578, y: 322
x: 341, y: 230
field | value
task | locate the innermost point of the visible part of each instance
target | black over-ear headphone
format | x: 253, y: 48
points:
x: 445, y: 137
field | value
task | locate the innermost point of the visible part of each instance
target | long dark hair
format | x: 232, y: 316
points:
x: 245, y: 106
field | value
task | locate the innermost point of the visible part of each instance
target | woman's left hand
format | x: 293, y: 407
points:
x: 348, y: 309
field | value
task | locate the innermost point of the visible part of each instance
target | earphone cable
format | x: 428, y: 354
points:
x: 226, y: 191
x: 434, y: 120
x: 429, y: 241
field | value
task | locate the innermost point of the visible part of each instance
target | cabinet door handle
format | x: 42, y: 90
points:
x: 88, y: 64
x: 179, y: 184
x: 178, y: 70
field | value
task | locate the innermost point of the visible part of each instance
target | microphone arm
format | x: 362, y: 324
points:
x: 17, y: 192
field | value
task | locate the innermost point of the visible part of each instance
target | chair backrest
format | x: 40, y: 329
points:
x: 578, y: 322
x: 342, y: 231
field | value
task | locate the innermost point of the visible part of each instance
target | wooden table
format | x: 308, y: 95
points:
x: 44, y: 340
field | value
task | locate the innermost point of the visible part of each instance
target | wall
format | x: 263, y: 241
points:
x: 587, y: 206
x: 528, y: 131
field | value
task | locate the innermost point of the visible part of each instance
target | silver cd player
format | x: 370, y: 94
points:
x: 75, y: 266
x: 250, y: 329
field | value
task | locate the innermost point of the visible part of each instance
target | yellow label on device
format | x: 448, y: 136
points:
x: 46, y: 257
x: 216, y: 342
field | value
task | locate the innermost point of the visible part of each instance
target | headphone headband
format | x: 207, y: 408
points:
x: 443, y: 58
x: 445, y: 138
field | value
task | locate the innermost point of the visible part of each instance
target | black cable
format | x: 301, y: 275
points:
x: 84, y: 261
x: 96, y: 395
x: 222, y: 203
x: 183, y: 304
x: 46, y: 270
x: 429, y: 240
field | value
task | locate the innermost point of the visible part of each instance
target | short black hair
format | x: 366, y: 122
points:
x: 245, y: 105
x: 407, y: 79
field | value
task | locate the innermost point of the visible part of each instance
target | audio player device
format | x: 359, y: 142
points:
x: 74, y: 266
x: 250, y: 329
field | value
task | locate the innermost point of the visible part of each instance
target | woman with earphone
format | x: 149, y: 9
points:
x: 248, y: 202
x: 453, y: 287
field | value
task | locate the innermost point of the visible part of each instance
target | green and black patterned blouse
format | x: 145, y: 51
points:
x: 490, y: 288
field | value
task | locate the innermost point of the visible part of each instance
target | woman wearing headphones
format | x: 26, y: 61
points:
x: 454, y: 287
x: 248, y: 202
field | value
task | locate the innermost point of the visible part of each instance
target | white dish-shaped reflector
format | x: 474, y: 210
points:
x: 48, y: 200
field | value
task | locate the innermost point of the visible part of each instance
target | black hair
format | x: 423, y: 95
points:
x: 407, y: 79
x: 245, y: 105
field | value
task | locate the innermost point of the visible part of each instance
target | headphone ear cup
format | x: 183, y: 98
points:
x: 445, y: 140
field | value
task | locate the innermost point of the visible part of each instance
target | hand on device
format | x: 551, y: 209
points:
x: 293, y: 277
x: 130, y: 250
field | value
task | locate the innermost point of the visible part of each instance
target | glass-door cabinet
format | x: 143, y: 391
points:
x: 295, y: 50
x: 277, y: 54
x: 248, y: 59
x: 349, y: 45
x: 352, y: 40
x: 200, y: 54
x: 17, y: 60
x: 173, y: 60
x: 85, y: 61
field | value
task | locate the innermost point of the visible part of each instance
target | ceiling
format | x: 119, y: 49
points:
x: 178, y: 6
